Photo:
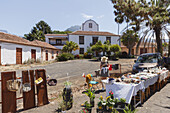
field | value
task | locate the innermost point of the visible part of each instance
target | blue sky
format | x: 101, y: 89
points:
x: 19, y: 16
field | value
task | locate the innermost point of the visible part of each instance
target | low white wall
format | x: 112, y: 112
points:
x: 8, y: 52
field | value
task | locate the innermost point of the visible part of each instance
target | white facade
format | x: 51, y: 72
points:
x: 90, y: 25
x: 88, y: 39
x: 8, y: 52
x: 52, y: 40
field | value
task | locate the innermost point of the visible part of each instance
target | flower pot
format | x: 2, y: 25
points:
x: 121, y: 105
x: 99, y: 110
x: 92, y: 102
x: 104, y: 107
x: 89, y: 110
x: 115, y: 106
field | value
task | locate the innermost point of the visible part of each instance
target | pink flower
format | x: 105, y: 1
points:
x: 112, y: 93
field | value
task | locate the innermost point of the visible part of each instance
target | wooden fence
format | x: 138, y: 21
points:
x: 9, y: 98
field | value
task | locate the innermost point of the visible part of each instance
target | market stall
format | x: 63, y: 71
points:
x: 128, y: 86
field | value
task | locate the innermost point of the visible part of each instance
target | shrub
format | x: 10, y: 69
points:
x: 88, y: 55
x: 29, y: 61
x: 38, y: 60
x: 65, y: 57
x: 77, y: 56
x: 81, y: 56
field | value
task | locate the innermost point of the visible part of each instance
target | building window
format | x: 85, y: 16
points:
x: 81, y: 39
x: 90, y: 25
x: 81, y: 51
x: 58, y: 41
x: 52, y: 54
x: 108, y: 39
x: 95, y: 40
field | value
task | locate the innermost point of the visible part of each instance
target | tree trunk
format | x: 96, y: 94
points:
x: 158, y: 39
x: 104, y: 53
x: 130, y: 51
x: 169, y: 48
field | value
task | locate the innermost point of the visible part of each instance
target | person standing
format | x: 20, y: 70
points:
x: 104, y: 67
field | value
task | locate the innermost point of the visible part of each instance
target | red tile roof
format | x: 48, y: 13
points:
x: 93, y: 33
x: 4, y: 37
x: 56, y: 35
x: 43, y: 44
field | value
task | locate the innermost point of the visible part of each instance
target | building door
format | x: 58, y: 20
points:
x: 33, y: 54
x: 18, y: 55
x: 132, y: 52
x: 46, y: 54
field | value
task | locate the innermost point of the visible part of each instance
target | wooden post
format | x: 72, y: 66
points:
x: 41, y: 88
x: 8, y: 97
x: 29, y: 97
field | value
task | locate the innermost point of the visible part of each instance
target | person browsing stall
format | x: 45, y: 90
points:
x: 104, y: 67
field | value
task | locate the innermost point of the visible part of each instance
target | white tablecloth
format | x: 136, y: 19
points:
x: 163, y: 75
x: 150, y: 81
x: 124, y: 90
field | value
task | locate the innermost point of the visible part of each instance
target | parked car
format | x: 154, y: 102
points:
x: 147, y: 60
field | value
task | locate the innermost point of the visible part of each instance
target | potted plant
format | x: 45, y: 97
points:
x: 122, y: 102
x: 67, y: 85
x: 67, y: 95
x: 87, y: 108
x: 116, y: 100
x: 129, y: 110
x: 100, y: 105
x: 110, y: 103
x: 111, y: 94
x: 61, y: 107
x: 91, y: 95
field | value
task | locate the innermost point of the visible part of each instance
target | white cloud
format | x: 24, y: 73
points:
x: 101, y: 16
x: 86, y: 16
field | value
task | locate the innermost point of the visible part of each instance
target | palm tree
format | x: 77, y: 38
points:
x: 70, y: 46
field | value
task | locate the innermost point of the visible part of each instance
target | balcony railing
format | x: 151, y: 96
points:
x: 58, y: 44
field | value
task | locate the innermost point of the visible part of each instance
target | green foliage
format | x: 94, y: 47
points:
x: 65, y: 57
x: 61, y: 32
x: 98, y: 47
x: 89, y: 50
x: 67, y: 83
x: 106, y: 47
x: 90, y: 94
x: 115, y: 48
x: 116, y: 100
x: 70, y: 46
x: 87, y: 105
x: 128, y: 110
x: 37, y: 33
x: 152, y: 14
x: 123, y: 100
x: 129, y: 39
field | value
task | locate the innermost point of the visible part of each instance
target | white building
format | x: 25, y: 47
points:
x: 87, y: 38
x: 90, y: 25
x: 89, y: 35
x: 16, y: 50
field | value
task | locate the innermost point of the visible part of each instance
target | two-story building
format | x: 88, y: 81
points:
x: 88, y: 36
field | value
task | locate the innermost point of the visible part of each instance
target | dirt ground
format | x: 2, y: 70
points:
x: 157, y: 103
x: 78, y: 82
